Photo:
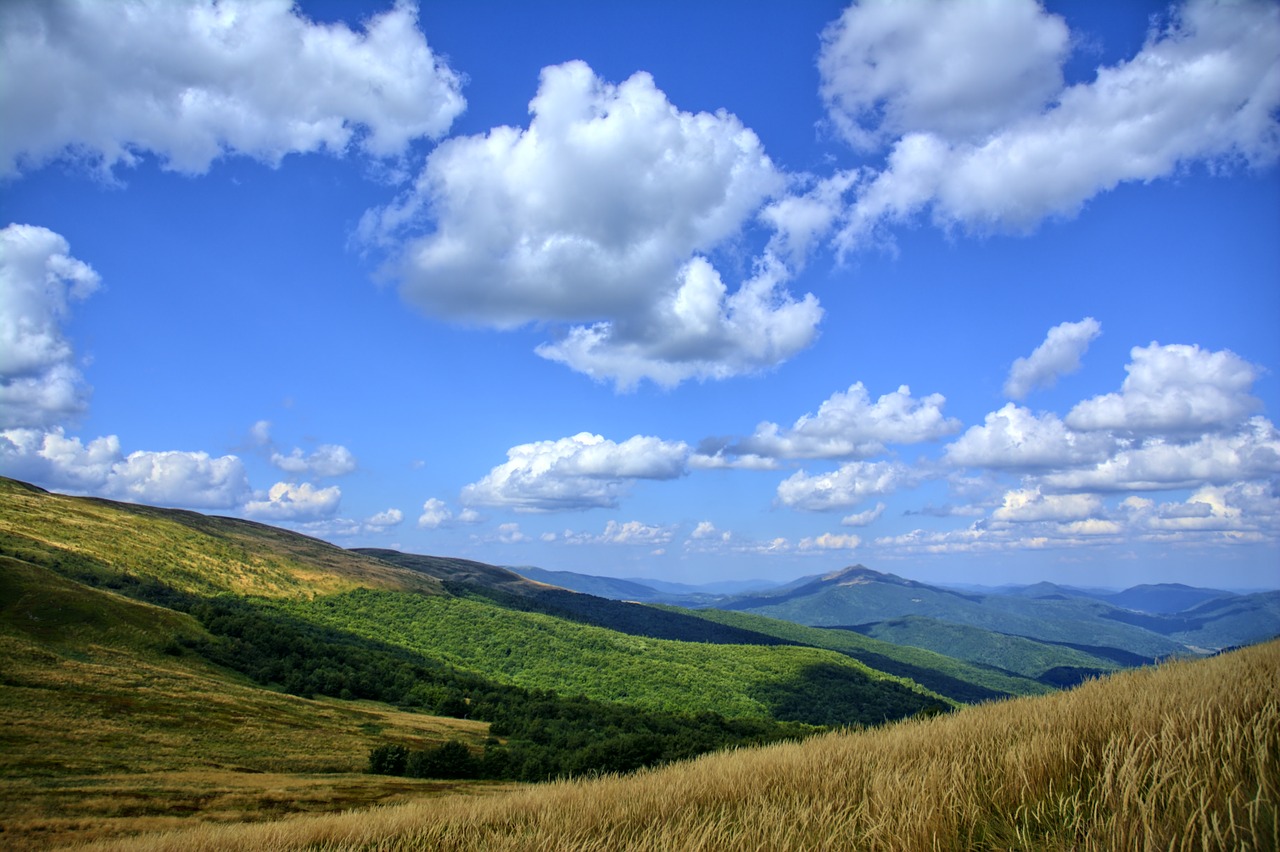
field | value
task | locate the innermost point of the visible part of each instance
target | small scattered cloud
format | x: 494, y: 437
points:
x: 376, y: 524
x: 436, y: 514
x: 1057, y: 356
x: 863, y: 519
x: 624, y: 533
x: 849, y: 425
x: 287, y: 501
x: 196, y: 81
x: 848, y: 486
x: 326, y: 460
x: 829, y: 541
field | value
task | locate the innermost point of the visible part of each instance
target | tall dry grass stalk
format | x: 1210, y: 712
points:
x: 1185, y: 756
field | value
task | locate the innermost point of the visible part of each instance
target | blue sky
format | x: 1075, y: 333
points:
x: 973, y: 293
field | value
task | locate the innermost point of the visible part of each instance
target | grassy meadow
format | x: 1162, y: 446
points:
x: 1182, y: 756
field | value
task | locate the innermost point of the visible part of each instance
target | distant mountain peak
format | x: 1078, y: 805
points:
x: 861, y: 575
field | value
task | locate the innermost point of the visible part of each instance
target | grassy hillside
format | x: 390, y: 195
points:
x: 105, y: 723
x: 1184, y: 756
x: 537, y: 651
x: 185, y: 550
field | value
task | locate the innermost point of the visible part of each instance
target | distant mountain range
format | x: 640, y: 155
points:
x: 1138, y: 625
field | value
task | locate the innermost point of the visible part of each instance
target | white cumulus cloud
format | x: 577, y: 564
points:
x: 40, y: 382
x: 193, y: 480
x: 1057, y: 356
x: 1173, y: 390
x: 1026, y: 505
x: 1205, y: 87
x: 287, y: 501
x: 326, y: 460
x: 829, y: 541
x: 1250, y: 453
x: 1015, y: 438
x: 957, y: 69
x: 579, y: 472
x: 603, y: 212
x: 193, y: 80
x: 848, y: 424
x: 853, y: 483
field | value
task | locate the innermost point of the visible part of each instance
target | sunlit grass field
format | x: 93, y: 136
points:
x: 1182, y: 756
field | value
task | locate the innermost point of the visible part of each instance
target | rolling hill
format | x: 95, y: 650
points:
x: 161, y: 659
x: 1182, y: 756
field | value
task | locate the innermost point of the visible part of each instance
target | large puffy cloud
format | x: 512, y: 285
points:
x: 1058, y: 355
x: 170, y: 478
x: 1205, y: 87
x: 849, y: 424
x: 1175, y: 390
x: 848, y: 486
x: 579, y: 472
x: 40, y: 383
x: 956, y: 69
x: 193, y: 80
x: 604, y: 212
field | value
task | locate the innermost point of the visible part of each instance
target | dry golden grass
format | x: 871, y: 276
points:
x: 1185, y: 756
x: 98, y: 741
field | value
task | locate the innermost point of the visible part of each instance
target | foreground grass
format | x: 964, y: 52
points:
x: 1185, y: 756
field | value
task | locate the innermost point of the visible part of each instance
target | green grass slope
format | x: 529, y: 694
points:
x: 538, y: 651
x: 184, y: 550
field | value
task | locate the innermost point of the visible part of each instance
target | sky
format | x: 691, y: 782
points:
x: 969, y: 292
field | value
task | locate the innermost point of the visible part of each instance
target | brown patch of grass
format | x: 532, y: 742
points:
x: 97, y: 741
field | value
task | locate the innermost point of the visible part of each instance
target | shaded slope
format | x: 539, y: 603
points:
x: 512, y: 591
x: 946, y: 675
x: 1050, y: 664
